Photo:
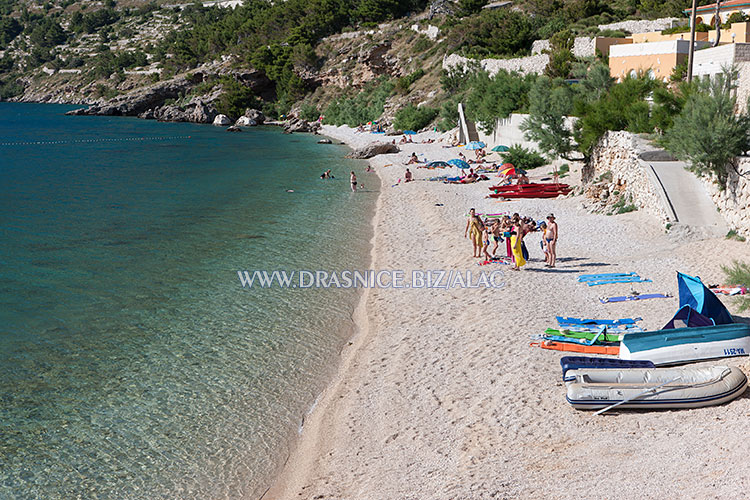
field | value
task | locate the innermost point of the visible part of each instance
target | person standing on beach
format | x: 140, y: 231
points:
x: 354, y: 181
x: 550, y: 236
x: 515, y: 242
x: 474, y: 229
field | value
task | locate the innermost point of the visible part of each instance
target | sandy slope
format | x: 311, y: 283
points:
x: 440, y: 395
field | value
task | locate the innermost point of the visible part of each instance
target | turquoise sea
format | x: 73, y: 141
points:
x: 133, y: 364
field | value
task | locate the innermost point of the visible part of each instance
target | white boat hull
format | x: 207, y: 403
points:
x: 646, y: 388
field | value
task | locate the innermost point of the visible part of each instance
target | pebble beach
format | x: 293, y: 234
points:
x: 439, y: 394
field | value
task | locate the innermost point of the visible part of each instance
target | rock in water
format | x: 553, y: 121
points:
x: 244, y: 121
x: 234, y: 128
x: 325, y: 141
x: 374, y: 149
x: 222, y: 120
x: 255, y: 115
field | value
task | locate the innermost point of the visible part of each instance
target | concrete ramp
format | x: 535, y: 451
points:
x: 691, y: 204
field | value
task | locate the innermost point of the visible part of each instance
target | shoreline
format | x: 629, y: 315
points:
x: 438, y: 395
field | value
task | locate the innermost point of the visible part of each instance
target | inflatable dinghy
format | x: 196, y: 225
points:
x: 686, y: 387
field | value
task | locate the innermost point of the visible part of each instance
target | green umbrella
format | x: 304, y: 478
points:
x: 501, y: 149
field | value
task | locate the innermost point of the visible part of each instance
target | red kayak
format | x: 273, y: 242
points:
x: 530, y: 191
x: 528, y: 194
x: 531, y: 186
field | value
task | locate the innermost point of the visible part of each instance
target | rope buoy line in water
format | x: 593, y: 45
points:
x: 80, y: 141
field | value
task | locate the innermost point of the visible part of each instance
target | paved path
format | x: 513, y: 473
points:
x: 691, y: 203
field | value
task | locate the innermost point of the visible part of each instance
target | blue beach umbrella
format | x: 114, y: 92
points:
x: 438, y: 164
x: 456, y: 162
x: 501, y: 149
x: 475, y: 145
x: 409, y: 132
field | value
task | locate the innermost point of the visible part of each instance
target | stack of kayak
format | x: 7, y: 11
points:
x: 532, y: 190
x: 593, y: 336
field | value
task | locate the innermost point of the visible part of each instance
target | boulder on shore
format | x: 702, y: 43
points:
x: 255, y: 115
x: 374, y: 149
x: 139, y: 100
x: 222, y: 121
x: 244, y: 121
x: 297, y: 125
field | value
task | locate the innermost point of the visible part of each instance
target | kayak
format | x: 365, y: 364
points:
x: 681, y: 345
x: 573, y: 334
x: 565, y: 346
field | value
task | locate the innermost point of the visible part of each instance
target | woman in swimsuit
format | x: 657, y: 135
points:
x: 354, y: 181
x: 515, y: 242
x: 474, y: 229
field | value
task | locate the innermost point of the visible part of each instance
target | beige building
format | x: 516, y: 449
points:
x: 706, y: 14
x: 657, y: 59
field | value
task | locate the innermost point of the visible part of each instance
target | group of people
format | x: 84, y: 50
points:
x: 352, y: 178
x: 512, y: 230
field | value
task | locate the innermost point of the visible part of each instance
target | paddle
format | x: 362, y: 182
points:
x: 636, y: 396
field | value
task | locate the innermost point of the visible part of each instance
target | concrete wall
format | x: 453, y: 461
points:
x: 617, y: 152
x: 734, y: 201
x: 508, y: 133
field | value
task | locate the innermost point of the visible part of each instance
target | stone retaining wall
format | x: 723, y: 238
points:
x: 523, y: 65
x: 617, y: 152
x: 733, y: 201
x: 583, y: 46
x: 644, y: 26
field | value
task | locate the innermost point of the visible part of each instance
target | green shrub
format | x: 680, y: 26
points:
x: 235, y: 99
x: 739, y: 274
x: 403, y: 83
x: 423, y: 44
x: 449, y: 114
x: 309, y: 112
x: 523, y: 158
x: 414, y: 118
x: 734, y: 235
x: 707, y: 132
x: 363, y: 107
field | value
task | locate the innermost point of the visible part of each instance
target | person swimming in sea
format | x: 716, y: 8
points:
x: 327, y: 175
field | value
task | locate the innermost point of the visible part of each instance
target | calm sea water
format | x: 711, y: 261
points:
x: 132, y: 362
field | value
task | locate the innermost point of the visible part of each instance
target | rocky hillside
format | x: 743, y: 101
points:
x: 357, y: 60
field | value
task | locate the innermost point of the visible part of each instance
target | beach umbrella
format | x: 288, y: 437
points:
x: 475, y: 145
x: 456, y: 162
x: 507, y: 169
x: 438, y: 164
x: 409, y: 132
x: 501, y: 149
